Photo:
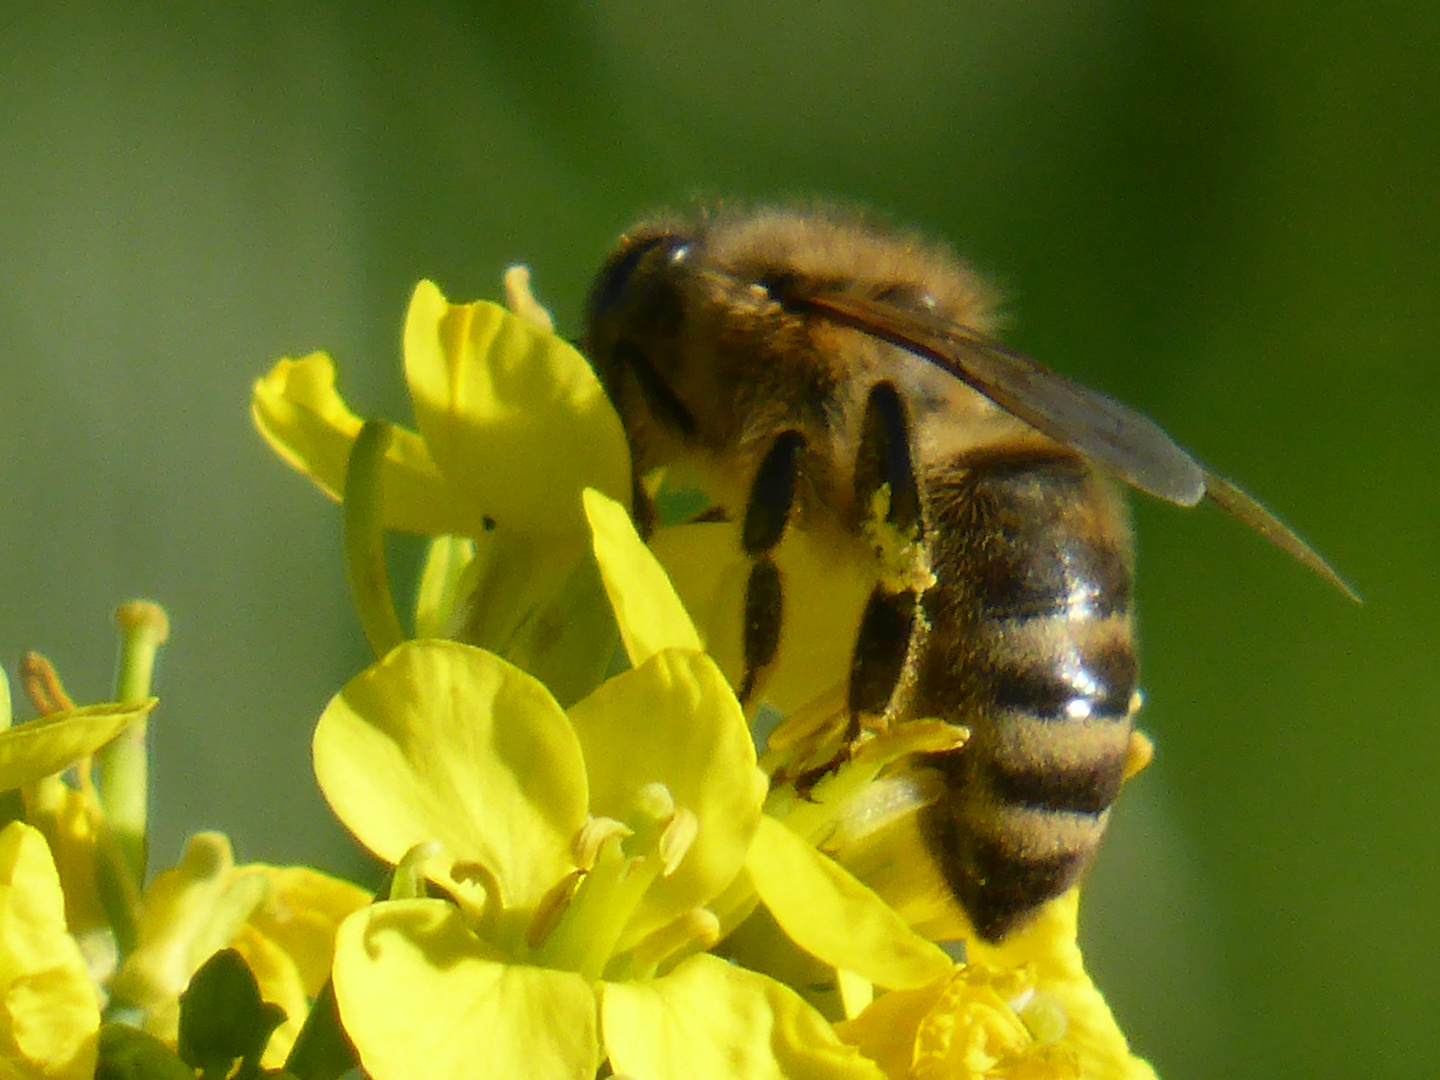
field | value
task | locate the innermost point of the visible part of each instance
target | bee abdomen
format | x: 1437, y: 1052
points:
x: 1031, y: 650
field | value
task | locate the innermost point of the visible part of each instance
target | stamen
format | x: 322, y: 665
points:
x: 621, y: 861
x: 552, y: 908
x: 583, y: 938
x: 492, y: 903
x: 585, y: 848
x: 676, y: 840
x: 694, y: 931
x: 42, y: 685
x: 408, y: 881
x: 521, y: 301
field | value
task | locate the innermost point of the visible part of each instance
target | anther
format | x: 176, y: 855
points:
x: 585, y: 848
x: 42, y: 685
x: 676, y: 840
x: 551, y: 908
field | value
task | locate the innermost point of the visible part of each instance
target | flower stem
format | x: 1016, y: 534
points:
x: 365, y: 539
x: 122, y: 767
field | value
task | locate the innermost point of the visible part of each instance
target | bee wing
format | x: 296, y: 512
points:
x: 1114, y: 436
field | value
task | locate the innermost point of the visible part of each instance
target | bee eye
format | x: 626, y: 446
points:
x: 613, y: 285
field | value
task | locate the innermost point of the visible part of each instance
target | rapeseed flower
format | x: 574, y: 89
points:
x: 83, y: 796
x: 611, y: 873
x: 281, y: 919
x: 585, y: 850
x: 511, y: 426
x: 1024, y: 1009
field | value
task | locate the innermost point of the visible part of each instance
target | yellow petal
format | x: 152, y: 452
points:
x: 444, y: 742
x: 539, y: 603
x: 305, y: 421
x: 708, y: 569
x: 438, y: 597
x: 279, y: 981
x: 187, y: 913
x: 825, y: 588
x: 710, y: 1020
x: 419, y: 995
x: 961, y: 1027
x: 300, y: 914
x: 50, y: 1015
x: 1048, y: 944
x: 885, y: 1032
x: 674, y: 720
x: 64, y: 815
x: 50, y: 744
x: 831, y: 915
x: 880, y: 838
x: 825, y: 594
x: 648, y: 611
x: 512, y: 415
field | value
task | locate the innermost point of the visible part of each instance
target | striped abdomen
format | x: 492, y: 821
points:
x: 1030, y: 647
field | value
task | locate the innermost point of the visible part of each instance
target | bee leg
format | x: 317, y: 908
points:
x: 884, y: 462
x: 772, y: 496
x: 888, y: 629
x: 764, y: 605
x: 642, y: 510
x: 893, y: 626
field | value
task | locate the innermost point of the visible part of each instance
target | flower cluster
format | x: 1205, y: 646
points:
x: 595, y: 872
x: 592, y: 870
x: 82, y: 942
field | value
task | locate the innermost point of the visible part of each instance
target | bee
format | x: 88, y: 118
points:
x: 819, y: 376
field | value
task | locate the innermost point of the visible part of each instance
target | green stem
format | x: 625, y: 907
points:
x: 365, y: 539
x: 122, y: 767
x: 322, y: 1050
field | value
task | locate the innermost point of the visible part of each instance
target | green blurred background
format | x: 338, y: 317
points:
x: 1223, y: 213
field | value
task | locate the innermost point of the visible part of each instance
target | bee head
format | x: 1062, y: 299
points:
x: 637, y: 286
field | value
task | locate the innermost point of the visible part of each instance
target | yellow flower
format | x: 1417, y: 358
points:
x: 282, y: 920
x: 52, y: 743
x: 512, y: 426
x: 51, y: 1011
x: 594, y: 839
x: 1021, y: 1010
x: 583, y: 846
x: 32, y: 755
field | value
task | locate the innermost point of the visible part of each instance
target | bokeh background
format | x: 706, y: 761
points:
x: 1224, y: 213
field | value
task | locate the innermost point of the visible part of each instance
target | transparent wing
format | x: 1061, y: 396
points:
x: 1114, y: 436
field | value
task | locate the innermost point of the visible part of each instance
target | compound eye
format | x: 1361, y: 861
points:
x: 612, y: 286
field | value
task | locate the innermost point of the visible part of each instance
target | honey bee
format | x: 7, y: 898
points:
x: 814, y: 373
